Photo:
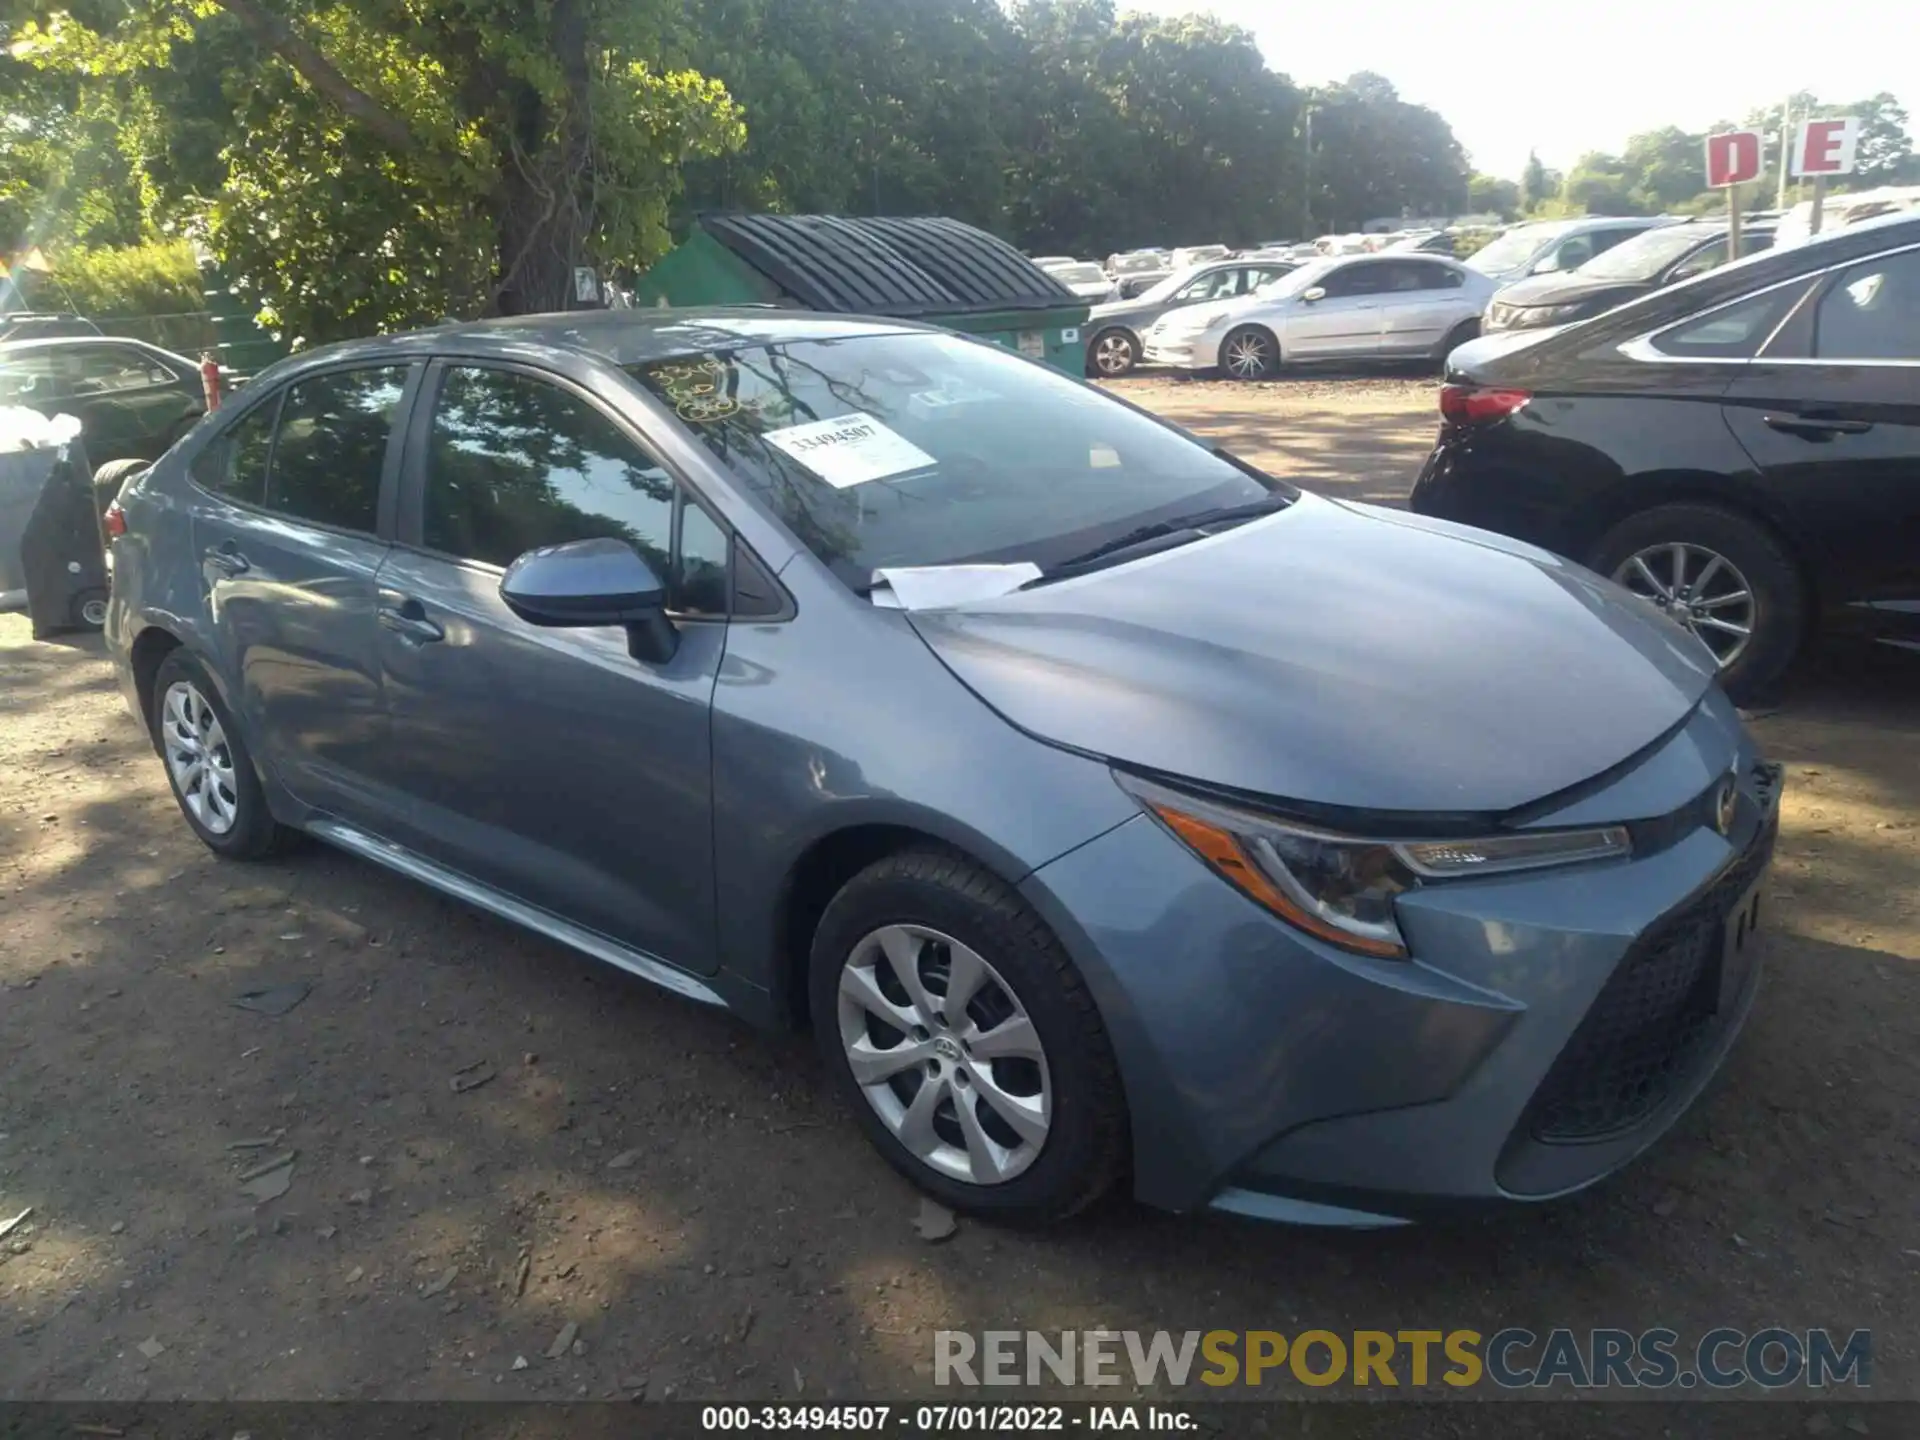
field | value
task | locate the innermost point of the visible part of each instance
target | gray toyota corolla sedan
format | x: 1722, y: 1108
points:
x: 1107, y: 807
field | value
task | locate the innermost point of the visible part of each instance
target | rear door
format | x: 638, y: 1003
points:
x: 549, y: 764
x: 1424, y: 301
x: 1344, y: 321
x: 289, y: 538
x: 1831, y: 414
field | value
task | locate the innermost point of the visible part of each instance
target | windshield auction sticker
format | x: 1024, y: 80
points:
x: 850, y: 450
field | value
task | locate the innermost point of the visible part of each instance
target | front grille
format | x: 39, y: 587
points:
x: 1653, y: 1018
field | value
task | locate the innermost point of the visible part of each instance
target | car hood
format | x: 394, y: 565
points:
x: 1567, y: 290
x: 1337, y: 655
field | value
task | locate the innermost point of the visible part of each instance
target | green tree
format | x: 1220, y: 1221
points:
x: 1537, y: 183
x: 1377, y: 157
x: 388, y: 162
x: 1491, y: 195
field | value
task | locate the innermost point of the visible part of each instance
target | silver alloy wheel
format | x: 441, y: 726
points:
x: 1113, y: 353
x: 945, y: 1054
x: 1697, y: 587
x: 199, y: 758
x: 1248, y: 356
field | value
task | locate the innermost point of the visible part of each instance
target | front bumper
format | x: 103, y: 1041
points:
x: 1182, y: 352
x: 1550, y: 1028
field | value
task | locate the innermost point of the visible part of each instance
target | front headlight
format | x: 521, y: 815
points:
x: 1538, y: 316
x: 1342, y: 888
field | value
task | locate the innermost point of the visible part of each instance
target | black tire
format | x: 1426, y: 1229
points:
x: 1460, y: 334
x: 88, y: 609
x: 1261, y: 352
x: 1122, y: 353
x: 1779, y: 611
x: 108, y: 478
x: 1085, y: 1148
x: 253, y: 834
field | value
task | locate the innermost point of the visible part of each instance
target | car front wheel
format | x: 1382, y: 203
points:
x: 1112, y: 354
x: 966, y: 1041
x: 1721, y: 576
x: 1250, y: 353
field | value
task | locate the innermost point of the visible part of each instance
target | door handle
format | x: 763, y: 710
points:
x: 227, y: 559
x: 407, y: 618
x: 1815, y: 425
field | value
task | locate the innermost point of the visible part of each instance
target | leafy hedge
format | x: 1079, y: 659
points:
x: 161, y: 278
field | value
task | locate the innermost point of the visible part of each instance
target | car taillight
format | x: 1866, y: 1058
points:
x: 114, y: 522
x: 1467, y: 404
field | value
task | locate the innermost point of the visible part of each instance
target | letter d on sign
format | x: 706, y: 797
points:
x: 1733, y: 158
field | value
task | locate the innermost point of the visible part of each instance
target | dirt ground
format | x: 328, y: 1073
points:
x: 684, y: 1192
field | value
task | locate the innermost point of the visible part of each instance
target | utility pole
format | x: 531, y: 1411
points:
x: 1306, y: 190
x: 1786, y: 147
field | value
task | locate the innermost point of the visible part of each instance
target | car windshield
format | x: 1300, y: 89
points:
x: 1645, y: 255
x: 1088, y: 274
x: 1512, y: 248
x: 928, y: 449
x: 1166, y: 289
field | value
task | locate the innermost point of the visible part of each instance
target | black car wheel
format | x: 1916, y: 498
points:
x: 965, y: 1040
x: 208, y: 766
x: 1723, y: 577
x: 1460, y: 334
x: 1250, y: 353
x: 1112, y: 354
x: 108, y: 478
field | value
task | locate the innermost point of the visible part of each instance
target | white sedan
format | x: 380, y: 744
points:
x: 1357, y: 307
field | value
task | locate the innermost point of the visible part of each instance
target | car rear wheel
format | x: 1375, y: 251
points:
x: 208, y: 766
x: 1721, y: 576
x: 1250, y: 353
x: 966, y: 1041
x: 1112, y: 354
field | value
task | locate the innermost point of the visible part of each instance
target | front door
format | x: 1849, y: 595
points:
x: 288, y: 544
x: 130, y: 401
x: 548, y: 764
x: 1835, y: 423
x: 1343, y: 321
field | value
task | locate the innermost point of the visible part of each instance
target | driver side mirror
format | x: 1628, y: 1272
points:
x: 593, y: 583
x: 1313, y: 294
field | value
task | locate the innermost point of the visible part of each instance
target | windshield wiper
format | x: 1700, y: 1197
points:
x: 1176, y: 531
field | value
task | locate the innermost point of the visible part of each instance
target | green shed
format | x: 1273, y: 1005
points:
x: 929, y: 269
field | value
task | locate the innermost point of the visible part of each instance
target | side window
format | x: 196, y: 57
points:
x: 234, y: 462
x: 1710, y: 256
x: 333, y: 446
x: 514, y: 463
x: 1355, y: 280
x: 1733, y: 332
x: 1606, y: 239
x: 1872, y: 312
x: 119, y: 367
x: 1439, y: 277
x: 1201, y: 289
x: 700, y: 572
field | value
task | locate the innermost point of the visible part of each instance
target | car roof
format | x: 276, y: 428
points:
x: 624, y: 337
x: 68, y: 342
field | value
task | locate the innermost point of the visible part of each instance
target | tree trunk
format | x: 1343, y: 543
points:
x: 547, y: 209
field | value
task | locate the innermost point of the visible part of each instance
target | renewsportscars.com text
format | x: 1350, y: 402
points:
x: 1511, y: 1358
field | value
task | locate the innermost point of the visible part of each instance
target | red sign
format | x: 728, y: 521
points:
x: 1825, y: 147
x: 1733, y: 158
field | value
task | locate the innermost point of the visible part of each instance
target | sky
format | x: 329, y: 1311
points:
x: 1568, y: 76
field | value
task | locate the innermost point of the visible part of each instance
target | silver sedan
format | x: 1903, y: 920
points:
x: 1360, y: 307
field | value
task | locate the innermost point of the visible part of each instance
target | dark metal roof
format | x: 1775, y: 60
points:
x: 906, y: 267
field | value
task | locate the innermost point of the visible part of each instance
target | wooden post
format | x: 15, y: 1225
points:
x: 1733, y: 223
x: 1819, y: 203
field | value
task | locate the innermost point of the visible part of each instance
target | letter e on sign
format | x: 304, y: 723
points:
x: 1826, y: 147
x: 1733, y: 158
